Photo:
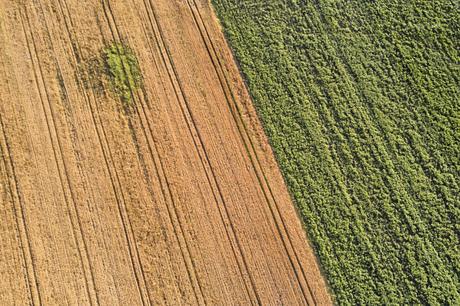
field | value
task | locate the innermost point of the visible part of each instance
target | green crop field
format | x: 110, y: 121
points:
x: 360, y: 100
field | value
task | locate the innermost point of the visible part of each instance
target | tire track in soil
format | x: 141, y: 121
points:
x: 26, y: 140
x: 107, y: 162
x: 144, y: 99
x: 15, y: 284
x: 51, y: 125
x: 24, y: 237
x: 76, y: 56
x: 199, y: 147
x: 11, y: 241
x: 78, y: 46
x: 218, y: 201
x: 154, y: 153
x: 73, y: 210
x: 20, y: 209
x: 173, y: 214
x: 140, y: 277
x: 114, y: 167
x: 160, y: 160
x: 188, y: 123
x: 168, y: 198
x: 189, y: 113
x: 249, y: 249
x: 252, y: 153
x: 11, y: 184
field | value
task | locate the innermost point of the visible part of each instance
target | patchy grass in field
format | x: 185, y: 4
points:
x: 115, y: 68
x: 123, y: 70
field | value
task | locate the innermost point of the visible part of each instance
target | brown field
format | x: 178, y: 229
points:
x: 178, y: 201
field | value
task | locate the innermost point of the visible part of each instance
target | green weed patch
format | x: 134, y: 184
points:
x: 123, y: 70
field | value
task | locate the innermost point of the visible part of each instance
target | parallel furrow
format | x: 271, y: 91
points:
x: 115, y: 183
x: 166, y: 191
x: 250, y: 149
x: 58, y: 156
x: 200, y: 149
x: 24, y: 236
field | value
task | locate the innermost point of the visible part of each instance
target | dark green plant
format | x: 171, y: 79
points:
x: 360, y: 101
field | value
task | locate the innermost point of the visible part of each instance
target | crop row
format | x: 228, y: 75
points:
x: 360, y: 101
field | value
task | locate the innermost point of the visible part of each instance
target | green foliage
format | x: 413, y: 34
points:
x: 360, y: 100
x: 123, y: 70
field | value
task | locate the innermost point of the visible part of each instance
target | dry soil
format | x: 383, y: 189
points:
x: 177, y: 200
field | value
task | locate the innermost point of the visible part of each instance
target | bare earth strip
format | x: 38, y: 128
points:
x: 178, y: 201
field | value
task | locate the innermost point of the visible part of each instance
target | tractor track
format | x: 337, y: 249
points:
x: 175, y: 199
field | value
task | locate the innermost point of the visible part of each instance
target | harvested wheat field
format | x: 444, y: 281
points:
x: 150, y: 182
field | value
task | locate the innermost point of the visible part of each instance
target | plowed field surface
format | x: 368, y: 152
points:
x: 177, y: 201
